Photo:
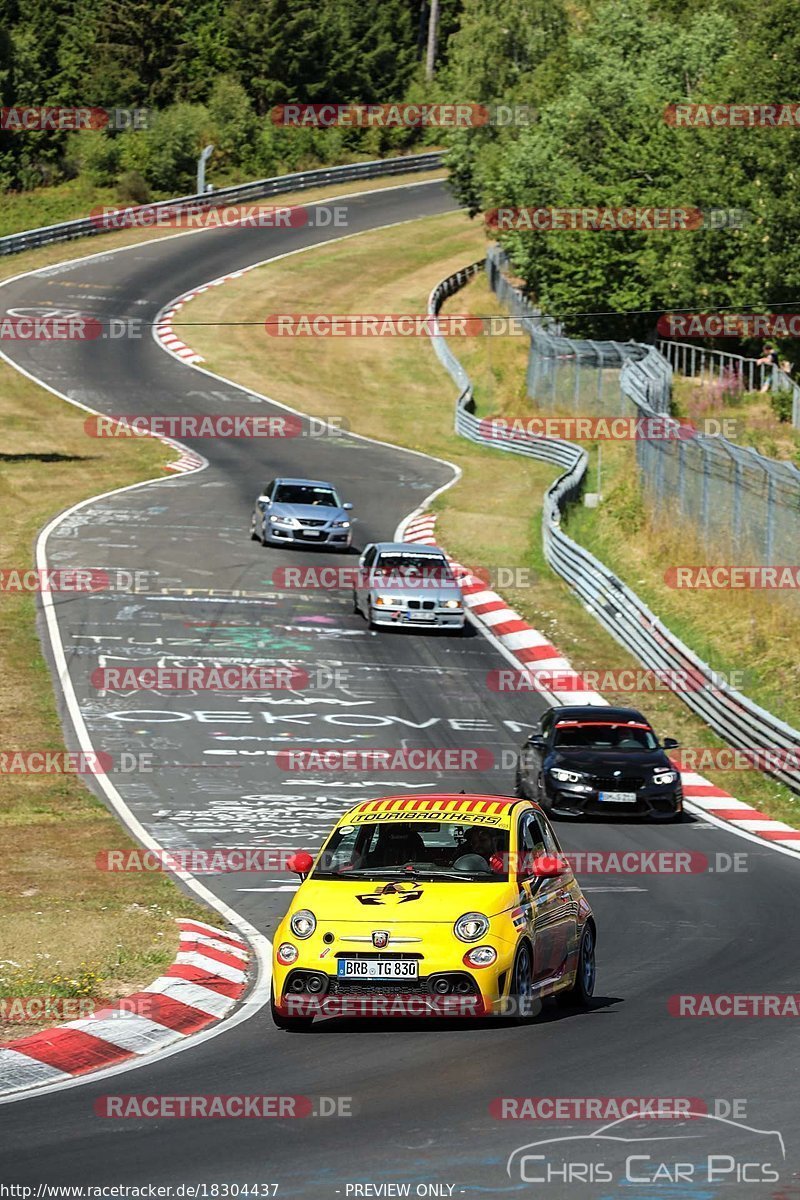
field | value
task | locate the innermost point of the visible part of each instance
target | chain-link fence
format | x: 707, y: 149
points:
x: 619, y: 610
x: 736, y: 500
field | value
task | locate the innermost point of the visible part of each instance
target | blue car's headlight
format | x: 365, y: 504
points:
x: 340, y: 524
x: 291, y: 522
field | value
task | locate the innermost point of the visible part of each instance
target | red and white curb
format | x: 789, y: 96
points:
x: 186, y: 461
x: 204, y: 983
x: 533, y: 651
x: 164, y: 332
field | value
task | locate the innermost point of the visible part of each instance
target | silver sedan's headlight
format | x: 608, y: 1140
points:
x: 451, y: 604
x: 340, y: 524
x: 471, y: 927
x: 291, y: 522
x: 303, y: 923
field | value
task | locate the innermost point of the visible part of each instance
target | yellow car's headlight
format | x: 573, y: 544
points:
x: 480, y: 956
x: 303, y: 923
x: 471, y: 927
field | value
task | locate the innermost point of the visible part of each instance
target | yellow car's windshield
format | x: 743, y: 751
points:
x: 445, y: 850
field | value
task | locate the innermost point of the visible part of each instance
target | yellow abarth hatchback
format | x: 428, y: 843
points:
x: 451, y: 905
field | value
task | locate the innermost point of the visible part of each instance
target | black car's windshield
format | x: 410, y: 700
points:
x: 300, y: 493
x: 603, y: 735
x: 441, y: 850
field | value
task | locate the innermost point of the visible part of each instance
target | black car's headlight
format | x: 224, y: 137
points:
x: 662, y: 777
x: 567, y: 776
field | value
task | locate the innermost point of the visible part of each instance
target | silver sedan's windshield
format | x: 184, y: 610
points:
x: 297, y: 493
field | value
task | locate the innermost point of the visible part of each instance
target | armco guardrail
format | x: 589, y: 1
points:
x: 732, y: 715
x: 86, y: 227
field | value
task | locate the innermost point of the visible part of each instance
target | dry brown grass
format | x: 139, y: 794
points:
x: 57, y: 911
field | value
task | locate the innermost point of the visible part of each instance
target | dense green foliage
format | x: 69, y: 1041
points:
x: 601, y: 140
x: 597, y: 75
x: 206, y: 72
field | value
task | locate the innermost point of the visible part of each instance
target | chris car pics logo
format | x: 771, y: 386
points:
x: 701, y: 1151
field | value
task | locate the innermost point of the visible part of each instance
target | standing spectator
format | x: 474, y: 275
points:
x: 768, y: 359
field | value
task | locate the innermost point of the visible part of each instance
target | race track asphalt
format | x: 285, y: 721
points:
x: 419, y: 1091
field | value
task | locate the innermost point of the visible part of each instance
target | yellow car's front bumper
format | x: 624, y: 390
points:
x: 446, y: 986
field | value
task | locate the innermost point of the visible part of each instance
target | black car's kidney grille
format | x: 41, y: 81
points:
x: 614, y: 783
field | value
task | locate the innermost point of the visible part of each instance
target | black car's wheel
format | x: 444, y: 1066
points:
x: 524, y: 1006
x: 290, y: 1024
x: 582, y: 989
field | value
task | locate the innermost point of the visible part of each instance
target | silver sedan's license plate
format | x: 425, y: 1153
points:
x: 421, y: 616
x: 312, y: 533
x: 377, y: 968
x: 618, y: 797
